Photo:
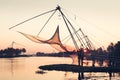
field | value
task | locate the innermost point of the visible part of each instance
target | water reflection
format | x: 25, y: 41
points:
x: 99, y: 75
x: 17, y: 64
x: 25, y: 68
x: 90, y: 76
x: 11, y: 65
x: 104, y: 72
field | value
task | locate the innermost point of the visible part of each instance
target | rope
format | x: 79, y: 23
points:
x: 31, y: 18
x: 64, y: 18
x: 46, y: 22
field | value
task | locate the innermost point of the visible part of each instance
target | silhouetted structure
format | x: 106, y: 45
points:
x: 98, y: 55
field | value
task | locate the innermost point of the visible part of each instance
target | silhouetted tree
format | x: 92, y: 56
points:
x: 93, y: 52
x: 110, y: 50
x: 23, y: 50
x: 100, y: 56
x: 117, y: 54
x: 11, y: 52
x: 114, y: 54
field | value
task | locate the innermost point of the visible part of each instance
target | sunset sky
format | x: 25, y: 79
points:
x: 99, y: 19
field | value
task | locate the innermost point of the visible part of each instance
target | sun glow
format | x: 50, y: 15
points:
x: 100, y: 23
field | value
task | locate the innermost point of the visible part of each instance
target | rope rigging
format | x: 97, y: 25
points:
x: 64, y: 18
x: 13, y: 43
x: 32, y: 18
x: 68, y: 25
x: 46, y: 22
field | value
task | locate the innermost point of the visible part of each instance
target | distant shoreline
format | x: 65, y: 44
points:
x: 15, y: 56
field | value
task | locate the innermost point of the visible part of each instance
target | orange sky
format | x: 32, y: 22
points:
x: 98, y: 19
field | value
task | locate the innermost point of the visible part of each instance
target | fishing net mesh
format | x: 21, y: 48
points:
x: 54, y: 42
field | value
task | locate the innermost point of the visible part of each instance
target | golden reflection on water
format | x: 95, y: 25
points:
x: 25, y: 68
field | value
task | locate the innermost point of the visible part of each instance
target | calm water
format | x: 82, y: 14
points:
x: 25, y: 69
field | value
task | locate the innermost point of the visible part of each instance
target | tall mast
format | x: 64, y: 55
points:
x: 65, y: 20
x: 12, y: 44
x: 88, y: 42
